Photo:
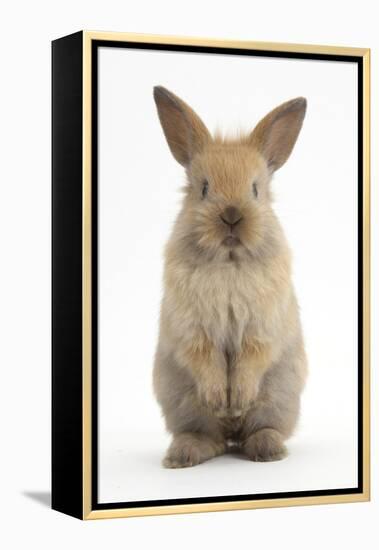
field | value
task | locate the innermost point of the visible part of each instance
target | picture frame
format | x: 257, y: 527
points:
x: 76, y: 383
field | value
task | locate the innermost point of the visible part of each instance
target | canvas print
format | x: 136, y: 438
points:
x: 228, y: 272
x: 210, y: 274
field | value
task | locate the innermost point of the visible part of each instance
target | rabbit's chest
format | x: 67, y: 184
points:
x: 225, y: 303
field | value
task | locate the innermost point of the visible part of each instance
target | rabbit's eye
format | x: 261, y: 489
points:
x: 204, y: 191
x: 255, y: 190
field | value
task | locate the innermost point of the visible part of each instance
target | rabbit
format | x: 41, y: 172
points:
x: 230, y: 363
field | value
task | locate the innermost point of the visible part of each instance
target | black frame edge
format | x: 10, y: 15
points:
x: 67, y: 131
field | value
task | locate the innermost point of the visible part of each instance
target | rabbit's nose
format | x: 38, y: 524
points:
x: 231, y: 216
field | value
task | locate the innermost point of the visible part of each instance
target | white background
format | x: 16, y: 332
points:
x: 25, y: 275
x: 316, y: 200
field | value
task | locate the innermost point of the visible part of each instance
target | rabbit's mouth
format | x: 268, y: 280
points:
x: 231, y: 241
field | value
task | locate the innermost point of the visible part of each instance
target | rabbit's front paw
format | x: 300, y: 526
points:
x: 213, y: 396
x: 242, y: 395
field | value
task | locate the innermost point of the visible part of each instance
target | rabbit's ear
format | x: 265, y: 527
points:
x: 276, y: 134
x: 186, y: 134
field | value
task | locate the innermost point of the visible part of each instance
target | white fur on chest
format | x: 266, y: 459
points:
x: 225, y: 299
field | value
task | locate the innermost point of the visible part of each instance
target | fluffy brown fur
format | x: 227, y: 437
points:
x: 230, y: 363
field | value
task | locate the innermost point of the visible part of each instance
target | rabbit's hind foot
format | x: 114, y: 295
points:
x: 189, y: 449
x: 265, y: 445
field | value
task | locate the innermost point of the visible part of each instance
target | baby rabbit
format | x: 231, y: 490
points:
x: 230, y: 363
